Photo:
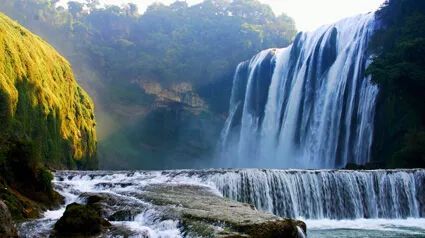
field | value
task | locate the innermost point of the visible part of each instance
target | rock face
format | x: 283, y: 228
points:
x: 7, y: 228
x: 179, y: 93
x: 205, y: 214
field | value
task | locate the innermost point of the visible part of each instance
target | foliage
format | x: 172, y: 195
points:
x: 47, y: 120
x: 113, y: 49
x: 40, y: 98
x: 399, y: 70
x: 199, y: 44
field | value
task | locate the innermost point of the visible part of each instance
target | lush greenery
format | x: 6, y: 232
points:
x: 115, y: 51
x: 47, y: 120
x: 168, y: 43
x: 200, y: 44
x: 399, y: 70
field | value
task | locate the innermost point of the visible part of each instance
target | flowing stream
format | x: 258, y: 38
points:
x: 334, y: 203
x: 306, y: 106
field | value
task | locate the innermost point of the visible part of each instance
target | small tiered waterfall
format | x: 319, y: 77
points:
x: 328, y: 194
x: 306, y: 194
x: 306, y: 106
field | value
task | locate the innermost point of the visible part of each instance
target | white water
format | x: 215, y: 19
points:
x: 398, y: 194
x: 367, y: 228
x: 147, y: 224
x: 306, y: 106
x: 328, y: 194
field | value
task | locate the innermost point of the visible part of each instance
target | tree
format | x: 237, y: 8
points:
x: 92, y: 4
x: 131, y: 10
x: 399, y: 71
x: 75, y: 8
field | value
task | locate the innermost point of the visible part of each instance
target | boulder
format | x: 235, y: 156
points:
x: 80, y: 220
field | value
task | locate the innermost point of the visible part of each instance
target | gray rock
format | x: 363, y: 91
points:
x: 202, y: 213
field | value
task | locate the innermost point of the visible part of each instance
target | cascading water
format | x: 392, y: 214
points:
x: 313, y: 195
x: 306, y: 106
x: 328, y: 194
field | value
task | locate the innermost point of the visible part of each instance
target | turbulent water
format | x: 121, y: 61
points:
x: 306, y: 106
x: 334, y: 203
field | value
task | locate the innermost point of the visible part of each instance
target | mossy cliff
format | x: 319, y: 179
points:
x: 46, y: 119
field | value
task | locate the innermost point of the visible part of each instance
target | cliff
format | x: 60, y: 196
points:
x: 47, y: 120
x: 399, y: 71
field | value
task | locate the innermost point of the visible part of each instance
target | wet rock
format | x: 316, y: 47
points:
x: 114, y: 207
x: 124, y: 215
x: 80, y: 220
x: 7, y: 228
x: 202, y: 213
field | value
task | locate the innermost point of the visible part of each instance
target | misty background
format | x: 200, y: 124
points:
x: 161, y: 81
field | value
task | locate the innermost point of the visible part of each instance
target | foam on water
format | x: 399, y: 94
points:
x: 367, y: 228
x: 268, y: 190
x: 368, y: 224
x: 145, y: 225
x: 310, y: 105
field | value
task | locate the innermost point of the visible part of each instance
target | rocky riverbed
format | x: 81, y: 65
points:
x: 152, y: 204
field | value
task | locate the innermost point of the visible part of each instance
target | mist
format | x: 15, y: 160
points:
x: 160, y: 80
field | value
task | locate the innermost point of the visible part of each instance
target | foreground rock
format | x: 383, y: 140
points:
x: 7, y: 228
x: 202, y: 213
x: 198, y: 211
x: 80, y: 220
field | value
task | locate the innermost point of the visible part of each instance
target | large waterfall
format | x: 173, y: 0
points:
x: 309, y: 105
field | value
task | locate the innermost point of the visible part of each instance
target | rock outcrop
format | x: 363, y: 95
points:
x: 181, y: 93
x: 80, y: 220
x: 198, y: 211
x: 7, y: 228
x: 206, y: 214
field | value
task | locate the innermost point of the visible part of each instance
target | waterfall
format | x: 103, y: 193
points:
x: 315, y: 195
x: 309, y: 105
x: 328, y: 194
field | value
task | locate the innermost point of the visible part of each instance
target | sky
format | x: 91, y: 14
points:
x: 308, y: 14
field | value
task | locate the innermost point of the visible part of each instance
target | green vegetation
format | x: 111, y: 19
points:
x: 200, y: 44
x: 115, y: 51
x: 47, y: 120
x: 399, y: 70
